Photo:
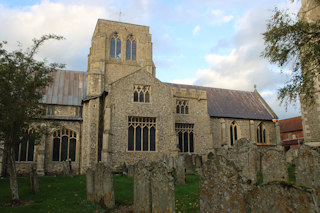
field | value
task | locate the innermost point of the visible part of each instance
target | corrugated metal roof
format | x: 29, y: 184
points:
x: 67, y: 88
x: 291, y: 124
x: 232, y: 103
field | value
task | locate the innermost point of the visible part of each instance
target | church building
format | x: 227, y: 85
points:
x: 119, y: 112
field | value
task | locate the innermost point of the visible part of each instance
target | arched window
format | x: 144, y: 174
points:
x: 64, y: 145
x: 141, y: 93
x: 115, y: 46
x: 182, y: 107
x: 24, y: 151
x: 261, y: 133
x: 234, y: 133
x: 131, y: 47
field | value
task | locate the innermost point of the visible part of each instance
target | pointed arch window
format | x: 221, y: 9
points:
x: 261, y: 134
x: 141, y: 93
x: 131, y: 48
x: 64, y: 145
x: 234, y: 133
x: 24, y: 151
x: 115, y: 46
x: 182, y: 107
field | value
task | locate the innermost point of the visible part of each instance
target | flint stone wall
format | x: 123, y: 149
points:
x: 153, y: 187
x: 274, y: 166
x: 278, y: 197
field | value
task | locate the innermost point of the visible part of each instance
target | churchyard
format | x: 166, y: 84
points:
x: 245, y: 178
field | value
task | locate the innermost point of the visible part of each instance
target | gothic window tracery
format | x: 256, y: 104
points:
x: 115, y: 47
x: 182, y: 107
x: 141, y: 134
x: 185, y: 137
x: 131, y: 48
x: 141, y: 93
x: 64, y: 145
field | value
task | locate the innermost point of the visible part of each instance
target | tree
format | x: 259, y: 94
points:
x: 294, y: 44
x: 22, y: 83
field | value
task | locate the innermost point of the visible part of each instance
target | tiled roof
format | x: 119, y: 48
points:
x: 67, y: 88
x: 291, y: 124
x: 233, y: 103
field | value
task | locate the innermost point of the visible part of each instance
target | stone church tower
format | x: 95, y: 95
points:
x: 310, y: 12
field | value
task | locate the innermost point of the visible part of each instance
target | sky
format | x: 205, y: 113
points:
x: 214, y: 43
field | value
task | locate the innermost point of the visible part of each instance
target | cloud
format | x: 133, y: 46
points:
x: 195, y: 30
x: 218, y: 17
x: 188, y: 81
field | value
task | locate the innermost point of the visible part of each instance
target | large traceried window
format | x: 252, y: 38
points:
x: 182, y: 107
x: 64, y: 145
x: 261, y: 134
x: 141, y: 93
x: 141, y: 134
x: 24, y: 151
x: 131, y: 48
x: 185, y: 137
x: 115, y: 46
x: 234, y: 133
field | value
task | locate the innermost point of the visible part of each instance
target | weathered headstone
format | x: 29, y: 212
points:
x: 142, y: 186
x: 188, y: 163
x: 291, y: 154
x: 124, y: 169
x: 221, y: 187
x: 90, y: 185
x: 100, y: 186
x: 34, y: 180
x: 307, y: 168
x: 103, y: 181
x: 247, y: 157
x: 130, y: 170
x: 180, y: 170
x: 67, y: 169
x: 277, y: 197
x: 153, y: 187
x: 162, y: 188
x: 274, y: 166
x: 198, y: 161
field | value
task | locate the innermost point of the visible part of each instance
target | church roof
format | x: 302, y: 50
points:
x: 290, y: 124
x: 233, y: 103
x: 67, y: 88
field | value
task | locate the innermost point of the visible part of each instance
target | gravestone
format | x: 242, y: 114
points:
x: 277, y: 197
x: 221, y: 187
x: 307, y: 168
x: 162, y: 188
x: 188, y: 163
x: 100, y: 186
x: 274, y: 166
x: 90, y: 185
x: 153, y: 187
x: 142, y: 186
x: 180, y: 170
x: 130, y: 170
x: 34, y: 180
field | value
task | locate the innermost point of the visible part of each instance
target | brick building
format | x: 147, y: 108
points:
x: 291, y: 133
x: 119, y: 112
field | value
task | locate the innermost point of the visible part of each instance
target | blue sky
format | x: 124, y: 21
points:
x: 214, y: 43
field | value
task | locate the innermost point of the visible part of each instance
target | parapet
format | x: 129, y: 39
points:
x: 191, y: 93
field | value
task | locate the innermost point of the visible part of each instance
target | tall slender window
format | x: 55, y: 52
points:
x: 131, y: 47
x: 261, y: 133
x: 233, y: 133
x: 24, y: 151
x: 141, y: 134
x: 115, y: 46
x: 185, y: 137
x: 64, y: 145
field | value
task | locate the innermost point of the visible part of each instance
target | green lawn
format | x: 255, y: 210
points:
x: 62, y: 194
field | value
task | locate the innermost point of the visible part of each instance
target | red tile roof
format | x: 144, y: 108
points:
x: 291, y: 124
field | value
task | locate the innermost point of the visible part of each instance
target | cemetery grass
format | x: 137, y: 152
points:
x: 63, y: 194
